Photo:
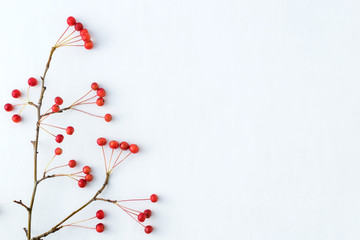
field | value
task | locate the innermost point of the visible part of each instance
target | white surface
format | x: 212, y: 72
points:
x: 247, y: 113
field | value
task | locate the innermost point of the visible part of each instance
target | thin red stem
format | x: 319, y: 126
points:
x: 53, y: 126
x: 87, y: 113
x: 102, y: 147
x: 62, y: 35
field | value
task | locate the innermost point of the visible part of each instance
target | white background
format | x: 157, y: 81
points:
x: 246, y: 112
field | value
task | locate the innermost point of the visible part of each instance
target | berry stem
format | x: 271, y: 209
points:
x: 64, y: 42
x: 82, y: 102
x: 49, y: 163
x: 48, y: 132
x: 112, y: 153
x: 81, y: 98
x: 56, y: 167
x: 78, y: 226
x: 53, y: 126
x: 102, y: 147
x: 130, y: 214
x: 132, y: 200
x: 62, y: 35
x: 120, y: 161
x: 22, y: 108
x: 59, y: 44
x: 80, y: 221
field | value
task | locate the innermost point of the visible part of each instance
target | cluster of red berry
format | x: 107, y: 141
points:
x: 71, y: 40
x: 84, y: 176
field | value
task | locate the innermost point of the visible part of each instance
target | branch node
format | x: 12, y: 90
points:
x: 22, y: 204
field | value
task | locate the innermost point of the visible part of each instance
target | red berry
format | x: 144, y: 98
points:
x: 78, y: 26
x: 134, y: 148
x: 108, y: 117
x: 100, y: 102
x: 89, y: 45
x: 141, y: 217
x: 114, y: 144
x: 148, y: 229
x: 84, y: 31
x: 71, y: 21
x: 59, y: 138
x: 94, y: 86
x: 55, y: 108
x: 58, y: 151
x: 101, y: 141
x: 16, y: 93
x: 87, y: 169
x: 124, y: 145
x: 147, y: 212
x: 154, y: 198
x: 100, y: 227
x: 72, y: 163
x: 85, y: 37
x: 69, y: 130
x: 82, y: 183
x: 32, y: 82
x: 16, y: 118
x: 101, y: 92
x: 100, y: 214
x: 89, y: 177
x: 58, y: 100
x: 8, y: 107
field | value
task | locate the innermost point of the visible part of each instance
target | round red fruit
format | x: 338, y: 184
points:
x: 147, y: 212
x: 84, y: 31
x: 124, y: 146
x: 134, y: 148
x: 101, y: 92
x: 89, y: 177
x: 32, y: 82
x: 87, y: 169
x: 16, y: 93
x: 100, y: 227
x: 71, y: 21
x: 72, y: 163
x: 141, y: 217
x: 108, y: 117
x: 101, y: 141
x: 94, y: 86
x: 78, y: 26
x: 55, y: 108
x: 16, y: 118
x: 148, y: 229
x: 58, y: 151
x: 100, y: 214
x: 59, y: 138
x: 82, y: 183
x: 8, y: 107
x: 89, y: 45
x: 154, y: 198
x: 58, y: 100
x: 69, y: 130
x: 100, y: 102
x: 85, y: 37
x: 114, y: 144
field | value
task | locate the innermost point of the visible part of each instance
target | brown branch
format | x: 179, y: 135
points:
x: 33, y: 104
x: 22, y: 204
x: 106, y: 200
x: 58, y: 226
x: 36, y: 142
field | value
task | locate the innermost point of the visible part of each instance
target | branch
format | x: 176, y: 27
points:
x: 58, y: 226
x: 33, y: 104
x: 106, y: 200
x: 22, y: 204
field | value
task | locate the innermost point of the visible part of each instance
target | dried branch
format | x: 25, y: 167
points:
x: 58, y: 226
x: 22, y: 204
